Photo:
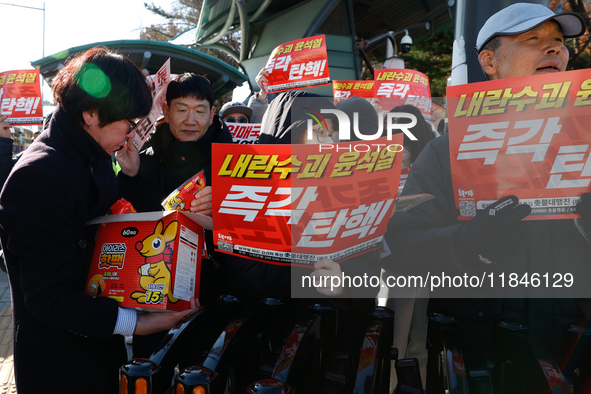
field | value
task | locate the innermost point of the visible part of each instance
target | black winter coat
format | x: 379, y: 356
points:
x: 424, y: 237
x: 62, y: 337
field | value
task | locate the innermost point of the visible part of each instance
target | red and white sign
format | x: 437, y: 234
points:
x: 525, y: 136
x: 297, y: 204
x: 159, y: 84
x: 396, y: 87
x: 342, y: 90
x: 20, y: 97
x: 245, y: 133
x: 297, y: 64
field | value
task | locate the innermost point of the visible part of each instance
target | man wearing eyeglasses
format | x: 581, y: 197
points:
x: 322, y: 133
x: 48, y: 250
x: 236, y: 112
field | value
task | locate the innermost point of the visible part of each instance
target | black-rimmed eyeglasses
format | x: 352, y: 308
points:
x: 133, y: 124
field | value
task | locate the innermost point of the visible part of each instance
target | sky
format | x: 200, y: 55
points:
x: 68, y: 23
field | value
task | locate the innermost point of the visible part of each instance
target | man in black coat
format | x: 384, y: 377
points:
x: 65, y: 339
x: 521, y: 40
x: 179, y: 148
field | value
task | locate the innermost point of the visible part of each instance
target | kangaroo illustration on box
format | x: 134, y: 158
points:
x: 155, y: 276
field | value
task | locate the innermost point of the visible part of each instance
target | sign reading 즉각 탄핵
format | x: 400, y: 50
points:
x: 297, y: 64
x: 20, y: 97
x: 525, y: 136
x: 297, y: 204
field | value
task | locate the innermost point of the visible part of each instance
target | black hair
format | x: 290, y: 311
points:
x: 190, y: 85
x: 422, y: 131
x: 102, y: 80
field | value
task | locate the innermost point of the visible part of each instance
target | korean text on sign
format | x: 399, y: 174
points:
x: 396, y: 87
x: 297, y: 64
x: 342, y: 90
x: 528, y: 137
x: 295, y: 205
x: 245, y: 133
x: 20, y: 97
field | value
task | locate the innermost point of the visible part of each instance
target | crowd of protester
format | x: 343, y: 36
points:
x: 70, y: 166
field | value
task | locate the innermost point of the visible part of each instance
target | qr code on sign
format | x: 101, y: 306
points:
x: 467, y: 208
x: 225, y: 246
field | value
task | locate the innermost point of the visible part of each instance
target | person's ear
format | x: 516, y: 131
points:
x: 166, y: 112
x: 90, y: 117
x: 211, y: 116
x: 487, y: 61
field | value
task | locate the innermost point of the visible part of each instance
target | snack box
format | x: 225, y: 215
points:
x: 148, y: 260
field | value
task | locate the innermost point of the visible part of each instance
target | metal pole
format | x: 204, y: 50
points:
x: 33, y: 8
x: 43, y: 50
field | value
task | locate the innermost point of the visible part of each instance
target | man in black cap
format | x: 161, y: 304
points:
x: 520, y: 40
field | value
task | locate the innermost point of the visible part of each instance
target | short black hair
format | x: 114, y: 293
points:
x: 190, y: 85
x: 103, y: 80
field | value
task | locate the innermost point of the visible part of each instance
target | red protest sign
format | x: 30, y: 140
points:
x: 342, y: 90
x: 297, y: 64
x: 20, y: 92
x: 158, y: 84
x: 244, y: 133
x: 396, y: 87
x: 297, y: 204
x: 525, y: 136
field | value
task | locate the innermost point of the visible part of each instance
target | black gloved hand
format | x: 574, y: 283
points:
x: 496, y: 232
x: 583, y: 223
